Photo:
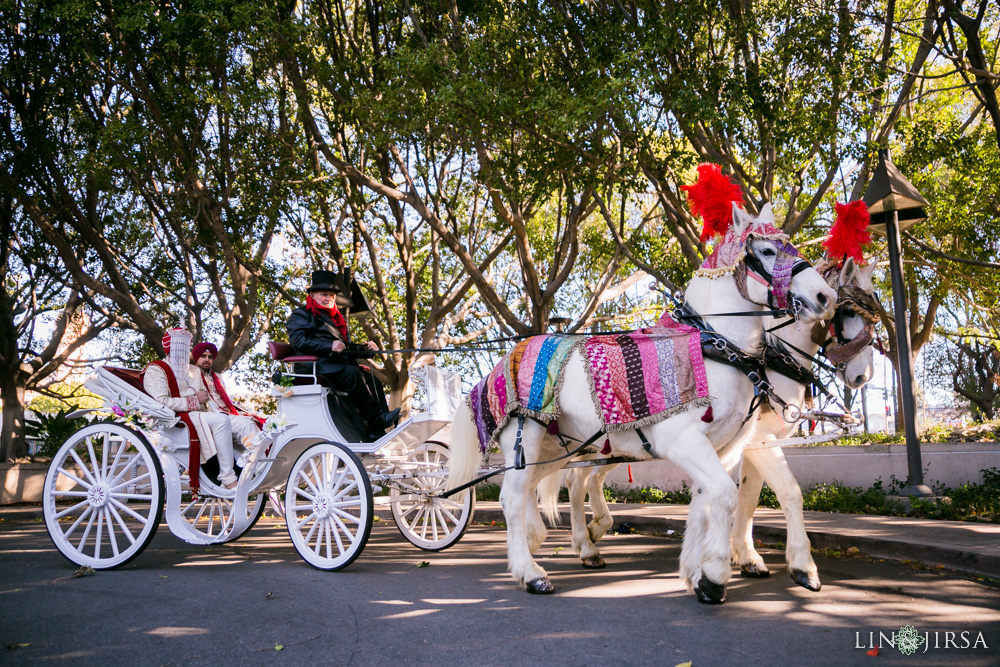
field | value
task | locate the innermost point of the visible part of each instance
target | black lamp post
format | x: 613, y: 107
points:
x: 894, y: 205
x: 560, y: 323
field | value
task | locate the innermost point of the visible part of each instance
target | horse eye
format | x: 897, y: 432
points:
x: 768, y: 252
x: 849, y: 312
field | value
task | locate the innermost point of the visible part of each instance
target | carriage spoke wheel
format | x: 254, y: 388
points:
x: 103, y: 496
x: 328, y: 506
x: 213, y: 516
x: 429, y: 521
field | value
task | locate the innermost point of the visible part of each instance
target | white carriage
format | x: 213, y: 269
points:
x: 108, y: 486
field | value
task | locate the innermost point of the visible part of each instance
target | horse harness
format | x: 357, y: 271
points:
x: 774, y: 356
x: 865, y: 305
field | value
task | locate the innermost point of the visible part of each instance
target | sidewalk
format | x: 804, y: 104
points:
x: 973, y: 548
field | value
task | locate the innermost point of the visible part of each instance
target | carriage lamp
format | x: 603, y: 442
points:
x: 894, y: 204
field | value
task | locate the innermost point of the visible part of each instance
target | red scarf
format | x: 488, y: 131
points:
x: 333, y: 313
x: 194, y: 451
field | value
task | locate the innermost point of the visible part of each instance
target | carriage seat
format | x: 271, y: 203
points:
x: 131, y: 377
x: 343, y: 413
x: 284, y: 353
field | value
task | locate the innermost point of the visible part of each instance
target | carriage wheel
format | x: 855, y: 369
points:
x: 429, y: 521
x: 328, y: 506
x: 212, y: 516
x: 103, y: 496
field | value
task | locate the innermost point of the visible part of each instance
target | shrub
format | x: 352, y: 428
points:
x: 52, y: 429
x: 615, y: 494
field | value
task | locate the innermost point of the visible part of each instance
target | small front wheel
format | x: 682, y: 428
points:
x: 328, y: 506
x: 103, y: 496
x: 427, y: 520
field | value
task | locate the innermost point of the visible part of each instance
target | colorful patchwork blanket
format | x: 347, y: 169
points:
x: 636, y: 379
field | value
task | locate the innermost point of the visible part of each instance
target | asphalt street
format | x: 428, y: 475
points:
x: 254, y: 602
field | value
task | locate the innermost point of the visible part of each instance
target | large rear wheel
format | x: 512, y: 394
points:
x: 328, y: 506
x: 425, y: 519
x: 103, y: 496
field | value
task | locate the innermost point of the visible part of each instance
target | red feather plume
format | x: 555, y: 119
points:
x: 711, y: 198
x: 849, y: 232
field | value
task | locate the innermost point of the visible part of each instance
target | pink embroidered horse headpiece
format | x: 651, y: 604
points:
x: 716, y: 198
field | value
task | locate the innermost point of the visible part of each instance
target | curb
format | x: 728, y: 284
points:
x: 883, y: 547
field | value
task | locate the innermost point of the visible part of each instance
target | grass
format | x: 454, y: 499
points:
x: 968, y: 502
x: 988, y: 431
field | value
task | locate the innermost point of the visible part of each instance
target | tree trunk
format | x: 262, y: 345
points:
x: 13, y: 444
x: 401, y: 393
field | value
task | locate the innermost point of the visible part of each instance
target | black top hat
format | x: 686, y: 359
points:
x: 330, y: 281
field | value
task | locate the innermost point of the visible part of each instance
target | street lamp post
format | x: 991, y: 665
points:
x: 894, y: 205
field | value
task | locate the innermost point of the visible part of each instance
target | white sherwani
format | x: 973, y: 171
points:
x: 213, y: 429
x: 242, y: 425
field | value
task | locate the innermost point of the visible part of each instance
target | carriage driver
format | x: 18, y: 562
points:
x: 178, y: 385
x: 320, y: 330
x: 243, y: 424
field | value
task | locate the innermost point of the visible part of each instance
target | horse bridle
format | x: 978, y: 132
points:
x: 866, y: 307
x: 787, y: 265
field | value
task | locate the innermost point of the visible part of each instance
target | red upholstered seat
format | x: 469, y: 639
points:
x: 283, y: 352
x: 133, y: 378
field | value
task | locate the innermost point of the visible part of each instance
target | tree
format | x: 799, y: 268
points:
x: 44, y: 324
x: 152, y: 149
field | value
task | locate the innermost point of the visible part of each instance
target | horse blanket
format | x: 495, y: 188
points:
x: 635, y: 379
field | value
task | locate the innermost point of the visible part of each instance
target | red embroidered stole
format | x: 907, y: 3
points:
x: 194, y: 452
x: 230, y: 406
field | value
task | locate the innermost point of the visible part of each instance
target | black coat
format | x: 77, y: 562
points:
x: 313, y: 335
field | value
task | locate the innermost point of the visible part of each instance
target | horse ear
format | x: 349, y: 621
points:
x: 740, y: 219
x: 766, y: 214
x: 865, y: 275
x: 849, y: 272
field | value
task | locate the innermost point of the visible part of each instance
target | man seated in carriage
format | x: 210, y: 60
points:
x: 320, y: 330
x: 244, y: 425
x: 177, y: 384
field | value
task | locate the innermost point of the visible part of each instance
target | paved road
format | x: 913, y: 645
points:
x: 232, y: 604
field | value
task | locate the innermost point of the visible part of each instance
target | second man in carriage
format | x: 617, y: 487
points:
x: 319, y: 329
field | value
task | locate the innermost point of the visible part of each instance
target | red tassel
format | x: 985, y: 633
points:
x: 711, y: 198
x: 849, y: 232
x: 708, y: 417
x: 553, y: 427
x: 607, y: 447
x: 630, y: 480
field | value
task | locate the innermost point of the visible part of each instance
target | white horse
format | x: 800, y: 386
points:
x: 759, y: 465
x: 685, y: 438
x: 769, y: 464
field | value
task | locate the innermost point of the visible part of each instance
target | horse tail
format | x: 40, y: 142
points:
x: 465, y: 455
x: 548, y: 496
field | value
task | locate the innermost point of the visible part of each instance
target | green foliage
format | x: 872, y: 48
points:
x: 52, y: 429
x: 616, y: 494
x: 968, y: 502
x: 987, y: 431
x: 488, y: 492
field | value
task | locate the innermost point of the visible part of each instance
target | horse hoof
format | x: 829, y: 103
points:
x: 754, y: 570
x: 709, y: 592
x: 542, y: 586
x: 806, y: 580
x: 593, y: 562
